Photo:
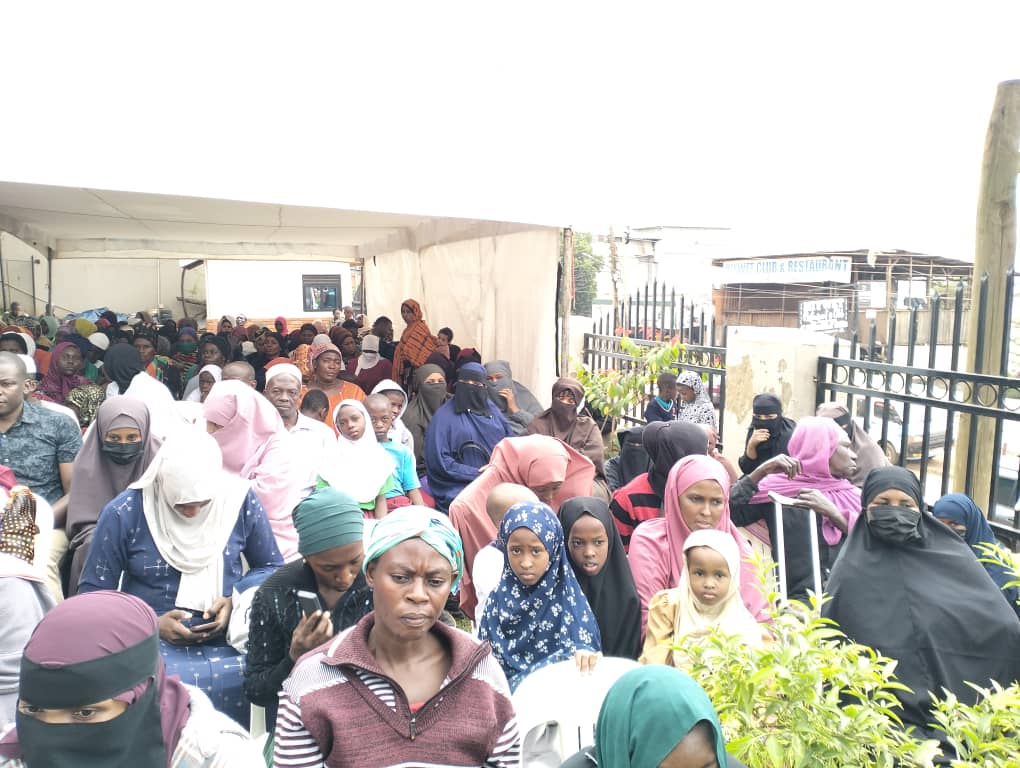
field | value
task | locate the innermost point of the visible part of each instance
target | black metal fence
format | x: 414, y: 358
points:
x: 911, y: 406
x: 655, y: 316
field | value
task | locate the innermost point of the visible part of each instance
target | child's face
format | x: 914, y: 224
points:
x: 397, y: 401
x: 351, y: 423
x: 529, y: 559
x: 588, y: 545
x: 382, y: 418
x: 667, y: 390
x: 708, y: 573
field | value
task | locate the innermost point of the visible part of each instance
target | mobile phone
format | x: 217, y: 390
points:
x: 309, y: 602
x: 198, y: 622
x: 786, y: 501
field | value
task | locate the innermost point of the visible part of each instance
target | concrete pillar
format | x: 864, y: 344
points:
x: 782, y: 361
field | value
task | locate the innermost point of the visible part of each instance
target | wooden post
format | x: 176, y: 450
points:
x: 566, y: 303
x: 995, y: 253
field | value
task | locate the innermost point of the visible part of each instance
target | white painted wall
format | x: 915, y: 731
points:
x: 123, y: 285
x: 265, y: 289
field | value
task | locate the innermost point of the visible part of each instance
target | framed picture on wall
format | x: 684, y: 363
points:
x: 321, y: 293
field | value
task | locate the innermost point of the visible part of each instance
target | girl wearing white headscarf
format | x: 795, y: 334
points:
x: 197, y: 395
x: 678, y: 614
x: 362, y: 467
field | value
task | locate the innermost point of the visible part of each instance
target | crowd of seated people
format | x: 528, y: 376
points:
x: 373, y: 541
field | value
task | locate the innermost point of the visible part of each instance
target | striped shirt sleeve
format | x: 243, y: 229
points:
x: 294, y: 746
x: 507, y: 753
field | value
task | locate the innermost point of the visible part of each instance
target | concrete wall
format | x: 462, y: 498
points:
x: 782, y: 361
x: 265, y: 289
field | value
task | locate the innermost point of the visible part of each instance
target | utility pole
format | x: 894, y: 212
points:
x: 994, y: 254
x: 614, y: 274
x: 566, y: 300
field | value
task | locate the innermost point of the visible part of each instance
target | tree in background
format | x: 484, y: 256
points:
x: 586, y: 269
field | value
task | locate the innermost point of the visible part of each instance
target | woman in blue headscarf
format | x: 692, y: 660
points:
x: 959, y: 512
x: 538, y: 614
x: 400, y: 683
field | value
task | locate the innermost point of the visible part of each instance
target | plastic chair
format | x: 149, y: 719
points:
x: 557, y: 708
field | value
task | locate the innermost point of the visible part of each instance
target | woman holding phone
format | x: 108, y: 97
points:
x: 306, y: 602
x: 175, y: 539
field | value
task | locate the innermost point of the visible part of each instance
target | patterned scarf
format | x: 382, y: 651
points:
x: 416, y: 342
x: 531, y: 627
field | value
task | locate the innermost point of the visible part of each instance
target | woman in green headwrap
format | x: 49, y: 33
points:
x: 330, y: 527
x: 452, y: 704
x: 656, y: 717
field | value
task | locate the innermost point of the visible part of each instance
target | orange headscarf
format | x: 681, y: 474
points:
x: 416, y: 342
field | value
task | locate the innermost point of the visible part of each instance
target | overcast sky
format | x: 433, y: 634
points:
x: 856, y: 129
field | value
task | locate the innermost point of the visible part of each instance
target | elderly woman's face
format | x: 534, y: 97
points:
x: 70, y: 361
x: 410, y: 583
x: 702, y: 505
x: 843, y: 462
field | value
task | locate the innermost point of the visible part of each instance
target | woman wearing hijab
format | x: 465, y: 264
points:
x: 869, y: 455
x: 461, y: 436
x: 707, y: 601
x: 959, y: 512
x: 828, y: 500
x: 212, y: 350
x: 665, y: 443
x: 694, y: 406
x: 326, y: 363
x: 370, y: 367
x: 361, y: 467
x: 400, y: 687
x: 563, y: 420
x: 252, y: 439
x: 120, y: 365
x: 631, y: 461
x: 106, y: 699
x: 696, y: 498
x: 513, y: 399
x: 64, y: 374
x: 552, y: 470
x: 175, y: 539
x: 416, y: 342
x: 910, y: 588
x: 430, y: 384
x: 207, y: 378
x: 600, y: 564
x: 24, y: 598
x: 330, y: 528
x: 538, y: 614
x: 113, y: 456
x: 656, y: 716
x: 768, y: 434
x: 185, y: 354
x: 443, y: 360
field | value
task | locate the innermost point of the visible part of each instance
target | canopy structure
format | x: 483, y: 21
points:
x: 493, y: 283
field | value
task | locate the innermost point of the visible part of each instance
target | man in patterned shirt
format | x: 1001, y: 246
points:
x: 38, y: 445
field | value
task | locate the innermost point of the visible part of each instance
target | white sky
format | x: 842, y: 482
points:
x: 862, y: 128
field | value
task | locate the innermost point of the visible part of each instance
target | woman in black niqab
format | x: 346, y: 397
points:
x: 779, y: 427
x: 908, y: 586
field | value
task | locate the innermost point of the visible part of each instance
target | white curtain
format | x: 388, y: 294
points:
x: 493, y: 284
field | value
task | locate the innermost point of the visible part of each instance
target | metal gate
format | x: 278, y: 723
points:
x: 912, y: 407
x: 653, y: 317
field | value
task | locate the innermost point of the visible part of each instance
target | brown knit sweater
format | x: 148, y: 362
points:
x: 339, y: 710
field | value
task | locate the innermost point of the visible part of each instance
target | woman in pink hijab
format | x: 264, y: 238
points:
x: 253, y: 441
x: 552, y: 469
x: 827, y: 462
x: 697, y: 497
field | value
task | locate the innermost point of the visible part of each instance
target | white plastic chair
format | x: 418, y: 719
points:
x: 557, y: 708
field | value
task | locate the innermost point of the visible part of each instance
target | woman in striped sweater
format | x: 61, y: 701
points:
x: 399, y: 688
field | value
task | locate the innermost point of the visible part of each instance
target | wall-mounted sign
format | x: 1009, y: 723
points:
x: 788, y: 269
x: 823, y: 315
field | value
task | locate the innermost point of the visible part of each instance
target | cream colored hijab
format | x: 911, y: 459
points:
x: 359, y: 467
x: 729, y: 616
x: 189, y: 468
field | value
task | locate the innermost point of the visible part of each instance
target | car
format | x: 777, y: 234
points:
x: 893, y: 441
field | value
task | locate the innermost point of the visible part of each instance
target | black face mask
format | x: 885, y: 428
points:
x: 770, y: 424
x: 895, y: 525
x: 122, y: 453
x: 134, y: 738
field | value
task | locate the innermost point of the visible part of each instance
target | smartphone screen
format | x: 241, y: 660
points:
x: 309, y: 602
